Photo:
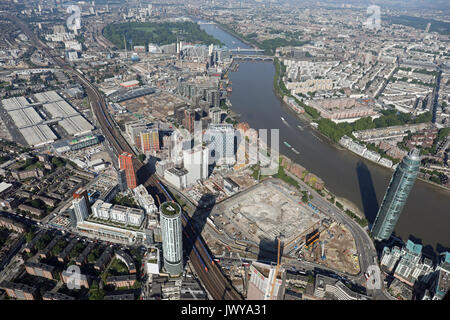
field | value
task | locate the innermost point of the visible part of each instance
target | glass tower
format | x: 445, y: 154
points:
x: 395, y: 198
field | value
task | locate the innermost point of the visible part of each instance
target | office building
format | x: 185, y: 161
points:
x: 189, y: 119
x: 126, y: 163
x: 411, y: 267
x: 407, y: 264
x: 215, y: 114
x: 122, y: 180
x: 261, y: 282
x: 329, y: 286
x: 177, y: 177
x: 195, y: 161
x: 172, y: 229
x: 221, y: 144
x: 396, y: 195
x: 441, y: 282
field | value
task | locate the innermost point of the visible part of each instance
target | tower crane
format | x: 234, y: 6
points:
x: 277, y: 268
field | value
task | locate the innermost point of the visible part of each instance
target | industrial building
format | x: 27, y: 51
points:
x: 75, y: 143
x: 124, y: 95
x: 34, y: 118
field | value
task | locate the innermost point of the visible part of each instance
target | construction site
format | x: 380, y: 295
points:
x: 333, y: 247
x: 253, y: 221
x: 150, y: 107
x: 215, y: 184
x: 263, y: 213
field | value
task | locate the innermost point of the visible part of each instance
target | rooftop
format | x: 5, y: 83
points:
x: 413, y: 248
x: 170, y: 208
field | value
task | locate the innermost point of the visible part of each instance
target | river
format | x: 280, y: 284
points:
x: 426, y: 216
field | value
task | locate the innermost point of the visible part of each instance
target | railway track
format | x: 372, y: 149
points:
x: 207, y: 270
x: 211, y: 276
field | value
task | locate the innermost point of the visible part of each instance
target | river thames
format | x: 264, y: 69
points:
x: 426, y: 215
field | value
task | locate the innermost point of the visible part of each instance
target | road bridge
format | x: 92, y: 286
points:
x: 251, y: 57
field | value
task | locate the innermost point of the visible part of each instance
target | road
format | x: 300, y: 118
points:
x: 214, y: 280
x: 364, y: 244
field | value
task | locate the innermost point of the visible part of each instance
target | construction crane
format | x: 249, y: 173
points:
x: 276, y: 271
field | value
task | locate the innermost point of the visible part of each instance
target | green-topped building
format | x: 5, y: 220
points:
x: 171, y: 230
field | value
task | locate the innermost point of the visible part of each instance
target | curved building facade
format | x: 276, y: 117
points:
x: 171, y: 230
x: 396, y: 195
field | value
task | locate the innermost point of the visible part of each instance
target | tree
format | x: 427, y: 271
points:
x: 57, y: 162
x: 95, y: 293
x: 141, y: 157
x: 29, y: 236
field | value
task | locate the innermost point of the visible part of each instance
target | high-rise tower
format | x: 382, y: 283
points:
x: 122, y: 180
x: 395, y: 198
x: 171, y: 230
x: 126, y: 163
x: 81, y: 205
x: 221, y: 141
x: 149, y: 140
